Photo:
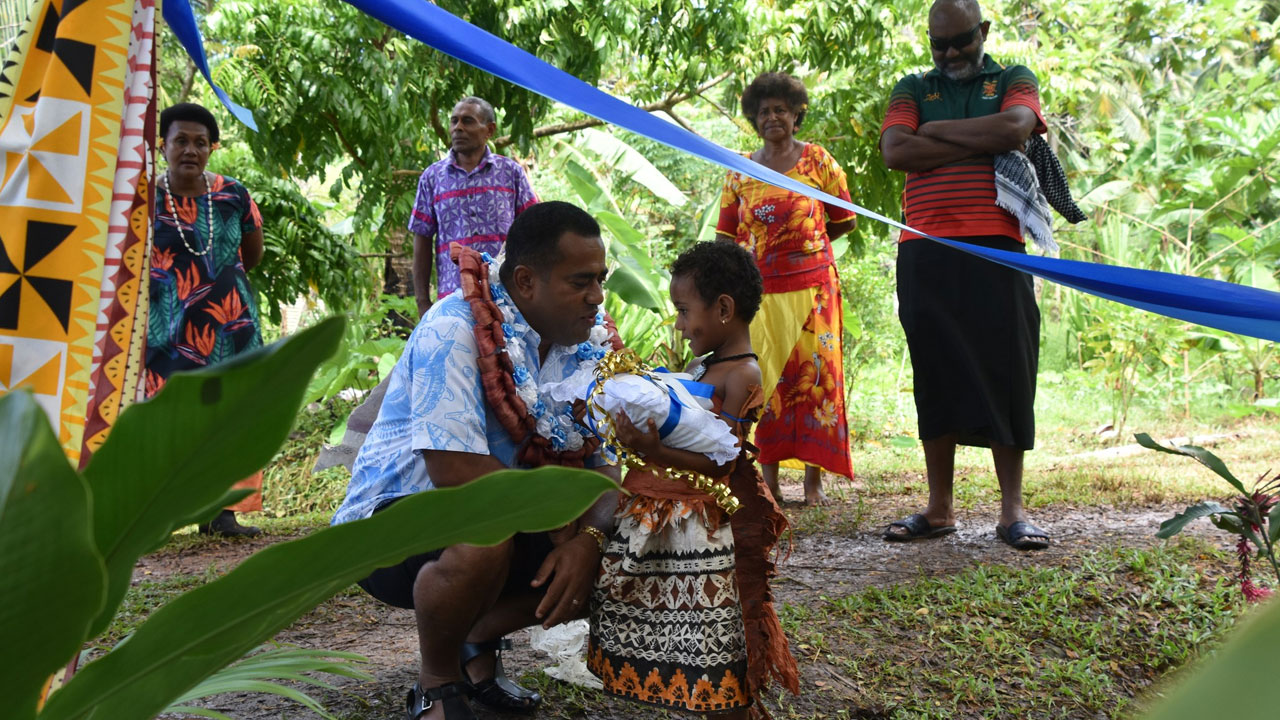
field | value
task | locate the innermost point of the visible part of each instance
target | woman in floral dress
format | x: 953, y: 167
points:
x: 208, y: 232
x: 797, y: 331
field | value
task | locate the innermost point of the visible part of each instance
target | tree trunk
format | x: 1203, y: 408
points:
x: 188, y: 81
x: 397, y: 272
x: 397, y: 278
x: 1268, y: 14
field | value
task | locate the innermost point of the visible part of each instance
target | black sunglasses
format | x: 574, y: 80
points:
x: 959, y: 42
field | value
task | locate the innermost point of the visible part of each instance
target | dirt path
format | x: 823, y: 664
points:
x: 831, y: 564
x: 822, y: 562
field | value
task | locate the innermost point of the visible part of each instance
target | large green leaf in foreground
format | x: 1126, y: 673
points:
x: 207, y: 628
x: 1239, y: 679
x: 172, y: 458
x: 49, y: 565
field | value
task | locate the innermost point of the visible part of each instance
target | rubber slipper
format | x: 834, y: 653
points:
x: 917, y: 528
x: 1022, y: 535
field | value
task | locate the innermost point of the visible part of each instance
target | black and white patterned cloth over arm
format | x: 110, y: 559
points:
x: 1018, y: 191
x: 1053, y: 181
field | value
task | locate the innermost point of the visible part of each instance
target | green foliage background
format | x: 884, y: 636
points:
x: 1166, y: 115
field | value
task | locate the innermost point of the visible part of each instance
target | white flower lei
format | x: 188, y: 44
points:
x: 551, y: 407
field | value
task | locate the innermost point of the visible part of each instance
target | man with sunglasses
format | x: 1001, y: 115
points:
x: 972, y: 326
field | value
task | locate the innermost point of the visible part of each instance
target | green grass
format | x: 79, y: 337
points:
x: 289, y: 487
x: 1079, y: 641
x: 998, y: 642
x: 142, y: 599
x: 570, y: 701
x: 1056, y: 473
x: 1070, y: 464
x: 847, y: 517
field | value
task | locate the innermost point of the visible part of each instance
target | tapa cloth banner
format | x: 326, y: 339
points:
x: 75, y: 109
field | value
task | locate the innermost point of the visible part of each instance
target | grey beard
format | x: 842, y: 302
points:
x: 969, y: 72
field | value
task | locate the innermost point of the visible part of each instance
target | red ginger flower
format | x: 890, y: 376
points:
x: 1252, y: 593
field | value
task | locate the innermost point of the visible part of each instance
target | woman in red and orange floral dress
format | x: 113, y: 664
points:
x: 207, y: 234
x: 798, y: 329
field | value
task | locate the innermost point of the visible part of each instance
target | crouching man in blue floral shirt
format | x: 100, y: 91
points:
x: 438, y: 428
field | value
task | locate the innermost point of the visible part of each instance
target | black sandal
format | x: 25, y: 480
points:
x: 453, y: 695
x: 498, y: 692
x: 916, y: 527
x: 1022, y: 535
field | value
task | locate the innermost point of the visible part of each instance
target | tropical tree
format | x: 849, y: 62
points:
x: 352, y: 111
x: 1168, y: 116
x: 343, y: 98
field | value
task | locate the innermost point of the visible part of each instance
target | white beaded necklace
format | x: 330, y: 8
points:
x: 173, y: 210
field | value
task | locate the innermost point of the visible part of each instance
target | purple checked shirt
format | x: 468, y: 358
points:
x: 472, y: 208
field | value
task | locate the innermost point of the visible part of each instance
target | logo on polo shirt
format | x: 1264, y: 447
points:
x: 931, y: 97
x: 989, y: 90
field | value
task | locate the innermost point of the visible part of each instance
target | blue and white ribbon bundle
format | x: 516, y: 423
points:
x: 678, y: 405
x: 1226, y: 306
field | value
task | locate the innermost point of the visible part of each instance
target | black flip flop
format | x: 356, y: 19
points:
x: 1022, y: 535
x: 917, y: 528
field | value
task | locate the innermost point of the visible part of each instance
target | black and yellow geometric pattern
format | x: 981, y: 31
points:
x: 62, y: 94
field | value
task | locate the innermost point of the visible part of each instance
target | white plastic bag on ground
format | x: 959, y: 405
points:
x: 566, y: 644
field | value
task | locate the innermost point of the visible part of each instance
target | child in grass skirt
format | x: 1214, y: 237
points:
x: 682, y: 612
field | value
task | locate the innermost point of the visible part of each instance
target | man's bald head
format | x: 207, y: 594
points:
x: 956, y: 37
x: 968, y: 9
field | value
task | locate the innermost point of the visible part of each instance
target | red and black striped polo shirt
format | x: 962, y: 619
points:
x: 959, y: 200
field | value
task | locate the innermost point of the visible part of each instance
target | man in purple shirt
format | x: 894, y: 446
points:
x: 470, y: 197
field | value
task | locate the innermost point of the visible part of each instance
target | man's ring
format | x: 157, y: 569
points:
x: 575, y: 602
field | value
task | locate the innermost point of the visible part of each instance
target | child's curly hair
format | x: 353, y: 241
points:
x: 722, y: 268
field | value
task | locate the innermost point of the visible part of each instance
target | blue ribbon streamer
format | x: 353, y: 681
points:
x: 182, y: 21
x: 1223, y: 305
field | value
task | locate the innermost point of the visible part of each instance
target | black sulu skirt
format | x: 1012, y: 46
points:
x: 973, y: 330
